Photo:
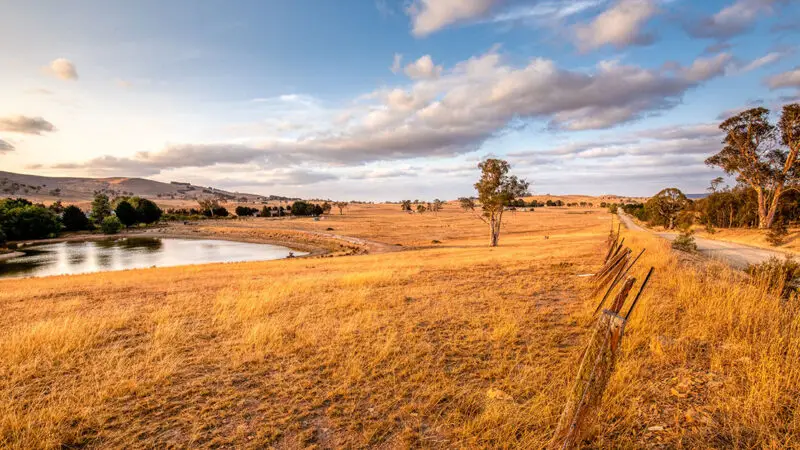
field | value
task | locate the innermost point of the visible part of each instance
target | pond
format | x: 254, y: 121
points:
x: 65, y: 258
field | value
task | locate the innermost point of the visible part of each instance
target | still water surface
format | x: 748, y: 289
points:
x: 133, y: 253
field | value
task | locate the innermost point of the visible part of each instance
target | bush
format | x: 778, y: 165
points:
x: 778, y: 233
x: 74, y: 219
x: 126, y: 213
x: 147, y: 211
x: 776, y: 274
x: 685, y: 242
x: 245, y: 211
x: 20, y: 219
x: 111, y: 225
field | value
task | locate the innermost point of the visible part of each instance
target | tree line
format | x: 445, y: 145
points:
x: 762, y: 156
x: 22, y: 219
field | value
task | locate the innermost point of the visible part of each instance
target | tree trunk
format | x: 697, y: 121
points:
x: 773, y: 207
x: 762, y: 209
x: 494, y: 228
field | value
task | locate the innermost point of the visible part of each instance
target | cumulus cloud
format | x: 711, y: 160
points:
x: 64, y: 69
x: 5, y: 146
x: 25, y: 125
x: 788, y: 79
x: 621, y: 26
x: 423, y: 68
x: 429, y: 16
x: 453, y: 113
x: 705, y: 68
x: 731, y: 20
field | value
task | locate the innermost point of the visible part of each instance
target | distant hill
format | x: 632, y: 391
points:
x: 77, y: 189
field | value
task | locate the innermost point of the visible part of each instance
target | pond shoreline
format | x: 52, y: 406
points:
x: 199, y: 235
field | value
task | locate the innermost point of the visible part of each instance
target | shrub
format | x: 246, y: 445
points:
x: 777, y: 234
x: 74, y: 219
x: 126, y: 213
x: 776, y: 274
x: 147, y: 211
x: 685, y: 242
x: 20, y: 219
x: 111, y: 225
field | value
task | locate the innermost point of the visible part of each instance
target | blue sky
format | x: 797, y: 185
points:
x: 382, y: 99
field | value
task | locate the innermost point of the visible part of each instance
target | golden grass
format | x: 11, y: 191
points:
x: 444, y: 345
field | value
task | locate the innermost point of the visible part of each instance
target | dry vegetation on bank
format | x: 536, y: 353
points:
x: 444, y: 345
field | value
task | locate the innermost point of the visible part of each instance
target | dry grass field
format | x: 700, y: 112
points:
x: 443, y: 345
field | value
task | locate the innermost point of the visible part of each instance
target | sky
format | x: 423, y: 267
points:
x: 388, y: 99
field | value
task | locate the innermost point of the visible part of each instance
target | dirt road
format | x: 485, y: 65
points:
x: 737, y: 255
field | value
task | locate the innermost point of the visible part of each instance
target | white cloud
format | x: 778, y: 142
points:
x: 785, y: 80
x: 732, y: 20
x: 620, y: 26
x: 429, y: 16
x: 454, y: 113
x: 25, y: 125
x: 64, y: 69
x: 423, y: 68
x: 546, y: 10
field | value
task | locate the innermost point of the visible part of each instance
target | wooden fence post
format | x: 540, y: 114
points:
x: 593, y: 375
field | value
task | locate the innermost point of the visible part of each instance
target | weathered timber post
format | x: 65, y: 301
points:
x: 593, y: 375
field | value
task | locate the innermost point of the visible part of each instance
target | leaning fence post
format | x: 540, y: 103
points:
x: 593, y: 375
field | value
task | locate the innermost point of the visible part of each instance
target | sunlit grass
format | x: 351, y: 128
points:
x: 444, y: 345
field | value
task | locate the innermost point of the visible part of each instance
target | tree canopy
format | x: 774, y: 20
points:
x: 762, y: 155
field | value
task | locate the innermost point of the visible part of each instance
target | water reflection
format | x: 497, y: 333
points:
x: 131, y: 253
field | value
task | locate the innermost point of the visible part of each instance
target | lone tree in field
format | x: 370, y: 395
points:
x: 666, y: 205
x: 466, y: 203
x: 341, y: 206
x: 496, y: 188
x: 762, y: 155
x: 405, y: 205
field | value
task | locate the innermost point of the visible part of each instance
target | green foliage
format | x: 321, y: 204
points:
x: 111, y: 225
x: 664, y: 207
x: 612, y: 208
x: 496, y: 188
x: 685, y: 242
x: 147, y: 211
x: 101, y: 208
x: 74, y: 219
x: 762, y: 155
x: 246, y: 211
x: 20, y: 219
x: 405, y: 205
x: 265, y: 212
x: 126, y: 213
x: 466, y: 203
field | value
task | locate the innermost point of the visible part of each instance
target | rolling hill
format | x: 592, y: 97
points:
x: 78, y: 189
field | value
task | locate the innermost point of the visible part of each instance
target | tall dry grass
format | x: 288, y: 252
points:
x: 451, y: 345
